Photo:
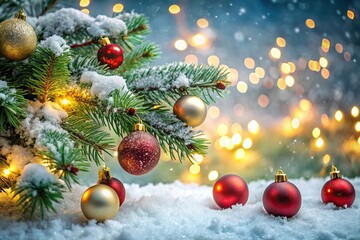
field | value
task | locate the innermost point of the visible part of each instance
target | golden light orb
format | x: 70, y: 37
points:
x: 338, y: 115
x: 316, y: 132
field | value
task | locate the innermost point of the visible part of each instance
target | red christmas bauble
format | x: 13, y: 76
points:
x: 138, y: 153
x: 112, y: 55
x: 282, y: 199
x: 230, y: 190
x: 118, y: 187
x: 338, y: 191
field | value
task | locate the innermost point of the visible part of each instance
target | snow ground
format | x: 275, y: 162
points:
x: 180, y: 211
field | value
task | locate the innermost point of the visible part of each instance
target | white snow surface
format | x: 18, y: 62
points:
x: 102, y: 85
x: 56, y: 43
x: 181, y: 211
x: 69, y: 20
x: 37, y: 174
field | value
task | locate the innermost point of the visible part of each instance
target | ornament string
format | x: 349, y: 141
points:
x: 76, y: 45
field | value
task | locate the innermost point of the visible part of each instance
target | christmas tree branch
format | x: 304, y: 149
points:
x: 62, y: 157
x: 12, y: 107
x: 139, y: 57
x: 158, y: 84
x: 79, y: 64
x: 50, y: 74
x: 89, y: 137
x: 137, y: 27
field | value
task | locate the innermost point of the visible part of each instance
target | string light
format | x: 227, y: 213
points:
x: 289, y: 80
x: 323, y: 62
x: 214, y: 112
x: 242, y: 87
x: 222, y: 129
x: 355, y: 111
x: 6, y: 172
x: 213, y: 175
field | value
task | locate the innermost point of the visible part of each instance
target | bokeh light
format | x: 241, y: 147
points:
x: 174, y: 9
x: 180, y: 44
x: 202, y: 23
x: 118, y: 8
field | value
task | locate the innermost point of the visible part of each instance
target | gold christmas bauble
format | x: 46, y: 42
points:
x: 100, y: 202
x: 191, y: 110
x: 17, y: 39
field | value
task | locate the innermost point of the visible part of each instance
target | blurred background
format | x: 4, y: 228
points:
x: 295, y: 71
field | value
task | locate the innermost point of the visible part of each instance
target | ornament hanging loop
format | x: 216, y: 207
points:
x: 335, y: 173
x: 21, y: 14
x: 103, y: 40
x: 280, y: 176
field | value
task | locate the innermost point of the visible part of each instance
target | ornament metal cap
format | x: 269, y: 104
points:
x: 104, y: 174
x: 335, y: 173
x: 280, y: 176
x: 21, y: 15
x: 103, y: 41
x: 139, y: 127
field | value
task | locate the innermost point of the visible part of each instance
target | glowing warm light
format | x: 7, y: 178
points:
x: 222, y: 129
x: 249, y: 63
x: 305, y: 105
x: 180, y: 44
x: 323, y: 62
x: 328, y: 190
x: 197, y: 158
x: 325, y: 44
x: 174, y: 9
x: 191, y: 59
x: 292, y: 67
x: 260, y: 72
x: 117, y: 8
x: 240, y: 154
x: 194, y: 169
x: 247, y: 143
x: 295, y: 123
x: 242, y: 87
x: 199, y: 39
x: 253, y: 127
x: 236, y: 139
x: 355, y: 111
x: 275, y: 53
x: 326, y: 159
x: 359, y: 140
x: 339, y: 48
x: 289, y: 80
x: 285, y: 68
x: 214, y: 112
x: 281, y: 42
x: 254, y: 78
x: 319, y: 142
x: 314, y: 65
x: 325, y: 73
x: 213, y: 60
x: 213, y: 175
x: 115, y: 153
x: 263, y: 101
x: 202, y: 23
x: 316, y: 132
x: 85, y: 10
x: 6, y: 172
x: 357, y: 127
x: 350, y: 14
x: 236, y: 128
x: 338, y: 115
x: 324, y: 119
x: 65, y: 101
x: 310, y: 23
x: 281, y: 84
x: 225, y: 141
x: 84, y: 3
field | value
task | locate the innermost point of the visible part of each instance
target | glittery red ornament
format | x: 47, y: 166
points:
x: 110, y: 54
x: 139, y: 152
x: 282, y: 198
x: 114, y: 183
x: 230, y: 190
x: 338, y: 190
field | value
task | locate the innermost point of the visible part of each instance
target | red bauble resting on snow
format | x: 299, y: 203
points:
x: 110, y: 54
x: 114, y: 183
x: 139, y: 152
x: 230, y: 190
x: 282, y: 198
x: 338, y: 190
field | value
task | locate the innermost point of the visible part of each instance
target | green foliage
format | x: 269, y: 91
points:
x: 4, y: 182
x: 12, y: 107
x: 139, y: 57
x: 79, y: 64
x: 203, y: 82
x: 89, y: 137
x: 50, y: 74
x: 62, y: 157
x: 42, y: 197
